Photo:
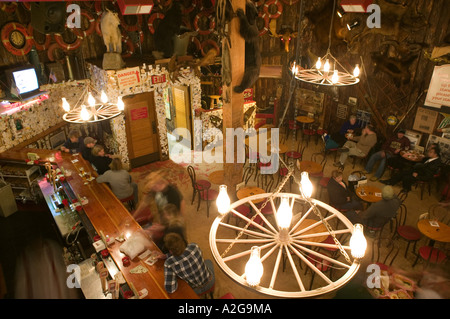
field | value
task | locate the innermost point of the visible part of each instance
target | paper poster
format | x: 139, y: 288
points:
x: 439, y: 89
x: 425, y: 120
x: 128, y: 77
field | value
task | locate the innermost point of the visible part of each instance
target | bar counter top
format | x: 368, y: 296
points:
x: 108, y: 215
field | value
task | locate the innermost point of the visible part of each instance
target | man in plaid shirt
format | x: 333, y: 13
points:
x: 186, y: 262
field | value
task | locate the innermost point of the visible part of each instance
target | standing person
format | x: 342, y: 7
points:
x: 380, y: 213
x: 186, y: 262
x: 424, y: 171
x: 74, y: 143
x: 339, y: 194
x: 119, y: 180
x: 390, y: 150
x: 100, y: 160
x: 358, y: 146
x: 88, y: 145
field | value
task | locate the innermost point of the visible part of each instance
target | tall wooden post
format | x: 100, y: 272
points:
x: 233, y: 106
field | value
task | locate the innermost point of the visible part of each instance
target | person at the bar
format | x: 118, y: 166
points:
x: 100, y: 160
x: 74, y: 143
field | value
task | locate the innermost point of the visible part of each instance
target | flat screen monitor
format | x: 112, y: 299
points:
x: 23, y: 82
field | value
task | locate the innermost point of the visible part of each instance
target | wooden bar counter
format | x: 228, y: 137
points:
x: 108, y: 215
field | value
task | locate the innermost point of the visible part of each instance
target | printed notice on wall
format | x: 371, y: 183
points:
x: 140, y: 113
x: 425, y: 120
x: 128, y: 77
x: 439, y: 90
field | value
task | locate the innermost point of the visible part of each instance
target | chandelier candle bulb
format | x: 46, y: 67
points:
x: 91, y: 100
x: 358, y: 242
x: 356, y: 71
x: 65, y: 105
x: 335, y: 77
x: 103, y: 97
x: 254, y: 268
x: 306, y: 187
x: 326, y: 66
x: 318, y: 64
x: 223, y: 200
x: 284, y: 213
x: 84, y: 114
x: 120, y: 104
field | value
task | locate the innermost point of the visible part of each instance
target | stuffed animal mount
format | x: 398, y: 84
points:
x: 286, y: 34
x: 176, y: 64
x: 112, y: 37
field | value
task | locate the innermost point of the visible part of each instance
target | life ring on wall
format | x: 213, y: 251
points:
x: 268, y: 4
x: 211, y: 43
x: 189, y: 8
x: 98, y: 29
x: 197, y: 44
x: 39, y: 46
x: 290, y: 2
x: 212, y: 23
x: 27, y: 5
x: 68, y: 46
x: 98, y: 8
x: 129, y: 45
x: 151, y: 20
x: 258, y: 3
x: 8, y: 7
x: 266, y: 19
x: 131, y: 27
x: 88, y: 31
x: 51, y: 52
x: 18, y: 33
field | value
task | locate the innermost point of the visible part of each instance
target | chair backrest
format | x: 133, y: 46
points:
x: 402, y: 195
x: 440, y: 213
x: 384, y: 251
x: 400, y: 218
x: 319, y: 158
x: 191, y: 172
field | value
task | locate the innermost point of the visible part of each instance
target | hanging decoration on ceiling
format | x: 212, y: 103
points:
x: 15, y: 38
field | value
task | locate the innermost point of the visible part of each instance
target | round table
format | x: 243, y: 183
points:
x: 309, y: 166
x: 304, y: 119
x: 440, y: 233
x: 216, y: 177
x: 412, y: 157
x: 250, y: 191
x: 372, y: 194
x: 320, y: 228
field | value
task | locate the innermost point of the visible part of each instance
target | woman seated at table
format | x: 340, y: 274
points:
x: 119, y: 180
x: 100, y: 160
x: 340, y: 195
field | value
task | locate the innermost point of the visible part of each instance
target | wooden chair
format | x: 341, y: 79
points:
x: 440, y: 213
x: 423, y: 184
x: 198, y: 186
x: 291, y: 126
x: 322, y: 264
x: 391, y: 249
x: 296, y: 154
x: 322, y: 160
x: 409, y: 233
x: 431, y: 255
x: 309, y: 131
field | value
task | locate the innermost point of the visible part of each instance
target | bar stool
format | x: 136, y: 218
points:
x: 214, y: 101
x: 129, y: 201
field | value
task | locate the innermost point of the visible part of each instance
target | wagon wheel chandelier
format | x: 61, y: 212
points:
x: 271, y: 246
x: 88, y: 110
x: 327, y: 70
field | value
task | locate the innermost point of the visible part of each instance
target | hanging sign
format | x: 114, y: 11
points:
x: 156, y: 79
x: 140, y: 113
x: 439, y: 90
x: 128, y: 77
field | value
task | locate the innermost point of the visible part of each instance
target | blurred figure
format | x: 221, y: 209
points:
x: 88, y: 145
x: 119, y: 180
x: 186, y: 262
x: 41, y: 273
x: 100, y: 160
x: 74, y: 143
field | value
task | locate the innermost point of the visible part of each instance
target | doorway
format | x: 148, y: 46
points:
x: 141, y: 129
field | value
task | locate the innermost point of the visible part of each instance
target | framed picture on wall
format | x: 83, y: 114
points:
x: 57, y: 139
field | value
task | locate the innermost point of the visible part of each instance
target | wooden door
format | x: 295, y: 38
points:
x: 141, y: 129
x: 181, y: 101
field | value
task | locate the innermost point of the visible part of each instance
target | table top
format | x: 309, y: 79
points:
x: 309, y: 166
x: 250, y: 191
x: 216, y: 177
x: 304, y: 119
x: 411, y: 156
x: 320, y: 228
x: 108, y: 215
x: 440, y: 233
x: 372, y: 193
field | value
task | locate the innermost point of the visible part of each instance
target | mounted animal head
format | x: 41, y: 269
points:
x: 286, y: 34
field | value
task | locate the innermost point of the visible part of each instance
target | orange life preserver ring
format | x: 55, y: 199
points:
x: 51, y: 52
x: 290, y: 2
x: 152, y: 18
x: 8, y: 7
x: 209, y: 42
x: 259, y: 3
x: 129, y: 44
x: 6, y: 32
x: 98, y: 29
x: 266, y: 19
x: 88, y: 31
x: 197, y: 43
x: 27, y: 5
x: 129, y: 27
x: 212, y: 23
x: 98, y: 8
x: 39, y: 46
x: 279, y: 8
x: 190, y: 8
x: 67, y: 46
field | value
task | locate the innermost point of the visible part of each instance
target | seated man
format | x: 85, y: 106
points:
x: 74, y: 144
x: 358, y: 146
x: 186, y: 262
x: 379, y: 213
x: 88, y: 145
x: 424, y: 171
x: 338, y: 139
x: 390, y: 149
x: 340, y: 195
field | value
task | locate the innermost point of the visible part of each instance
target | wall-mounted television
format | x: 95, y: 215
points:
x: 23, y: 83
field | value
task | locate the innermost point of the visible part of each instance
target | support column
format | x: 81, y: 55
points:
x: 233, y: 106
